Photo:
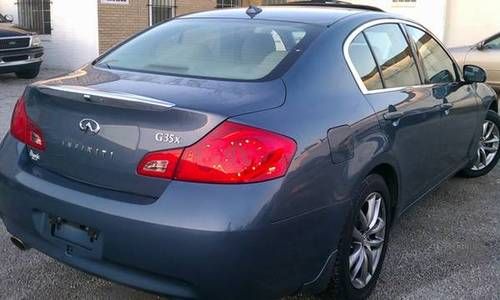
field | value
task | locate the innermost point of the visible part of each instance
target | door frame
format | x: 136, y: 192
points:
x: 401, y: 24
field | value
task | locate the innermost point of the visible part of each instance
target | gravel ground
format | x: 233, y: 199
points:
x: 447, y: 246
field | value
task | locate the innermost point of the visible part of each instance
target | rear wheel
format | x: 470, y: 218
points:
x: 487, y: 153
x: 362, y: 249
x: 29, y: 73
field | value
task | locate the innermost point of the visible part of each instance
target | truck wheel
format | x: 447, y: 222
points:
x: 29, y: 73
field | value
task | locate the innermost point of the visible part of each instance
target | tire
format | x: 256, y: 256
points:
x: 341, y: 285
x: 29, y: 73
x: 483, y: 164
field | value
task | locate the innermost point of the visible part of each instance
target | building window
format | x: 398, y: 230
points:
x: 34, y: 15
x: 114, y: 2
x: 228, y: 3
x: 403, y: 3
x: 161, y: 10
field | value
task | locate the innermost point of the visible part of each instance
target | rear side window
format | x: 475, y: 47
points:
x: 438, y: 66
x: 212, y: 48
x: 363, y: 62
x: 394, y: 56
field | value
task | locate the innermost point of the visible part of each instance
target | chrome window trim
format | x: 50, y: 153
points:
x: 18, y: 37
x: 361, y: 28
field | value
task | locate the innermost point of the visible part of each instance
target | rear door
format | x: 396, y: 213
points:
x: 460, y: 104
x: 407, y: 111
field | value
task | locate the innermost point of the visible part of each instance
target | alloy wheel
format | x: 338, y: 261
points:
x: 367, y: 240
x: 488, y: 146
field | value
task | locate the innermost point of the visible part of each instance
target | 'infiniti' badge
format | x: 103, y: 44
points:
x: 89, y: 125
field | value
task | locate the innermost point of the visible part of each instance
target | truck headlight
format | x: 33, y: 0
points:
x: 36, y: 41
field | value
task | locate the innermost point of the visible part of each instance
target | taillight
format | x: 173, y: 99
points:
x: 24, y: 129
x: 232, y: 153
x: 160, y: 164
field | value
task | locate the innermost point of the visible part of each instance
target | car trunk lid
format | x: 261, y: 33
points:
x: 97, y: 133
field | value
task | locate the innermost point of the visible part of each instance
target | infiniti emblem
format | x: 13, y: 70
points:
x: 89, y: 125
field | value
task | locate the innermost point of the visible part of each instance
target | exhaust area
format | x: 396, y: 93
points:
x: 18, y: 243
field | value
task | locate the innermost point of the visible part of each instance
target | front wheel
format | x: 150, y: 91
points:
x: 487, y: 149
x: 362, y: 249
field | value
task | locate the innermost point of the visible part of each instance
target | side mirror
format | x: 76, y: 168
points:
x: 442, y: 77
x: 9, y: 18
x: 480, y: 46
x: 474, y: 74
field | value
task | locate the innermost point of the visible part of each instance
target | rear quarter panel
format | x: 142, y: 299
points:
x: 322, y: 95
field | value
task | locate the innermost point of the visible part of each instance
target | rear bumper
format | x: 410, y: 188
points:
x: 196, y: 241
x: 18, y: 60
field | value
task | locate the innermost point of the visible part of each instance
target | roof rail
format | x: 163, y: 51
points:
x: 326, y: 3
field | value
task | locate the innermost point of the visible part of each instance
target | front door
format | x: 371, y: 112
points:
x: 459, y: 103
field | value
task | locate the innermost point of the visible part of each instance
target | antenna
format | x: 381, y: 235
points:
x: 253, y: 10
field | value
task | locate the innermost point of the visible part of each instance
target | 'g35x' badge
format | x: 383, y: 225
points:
x: 167, y: 138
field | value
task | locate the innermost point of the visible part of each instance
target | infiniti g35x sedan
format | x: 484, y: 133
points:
x: 244, y: 154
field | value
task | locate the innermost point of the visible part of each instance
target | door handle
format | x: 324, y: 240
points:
x: 393, y: 116
x: 446, y: 106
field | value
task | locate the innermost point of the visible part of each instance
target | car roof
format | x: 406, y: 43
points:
x: 317, y: 15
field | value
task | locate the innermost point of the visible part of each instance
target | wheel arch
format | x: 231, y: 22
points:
x: 390, y: 175
x: 494, y: 106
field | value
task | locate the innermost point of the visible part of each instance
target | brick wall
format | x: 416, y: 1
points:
x: 189, y: 6
x: 117, y: 22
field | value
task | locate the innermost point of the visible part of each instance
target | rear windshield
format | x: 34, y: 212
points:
x: 210, y: 48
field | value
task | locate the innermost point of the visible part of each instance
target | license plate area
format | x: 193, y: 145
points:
x: 73, y: 238
x: 78, y: 234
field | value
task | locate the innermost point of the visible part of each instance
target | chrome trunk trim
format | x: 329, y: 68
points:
x: 89, y: 93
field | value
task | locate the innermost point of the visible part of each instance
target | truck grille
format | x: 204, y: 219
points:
x: 15, y: 58
x: 14, y: 43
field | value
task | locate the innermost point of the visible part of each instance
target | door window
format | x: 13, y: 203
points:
x: 393, y: 55
x: 363, y: 62
x: 437, y: 64
x: 493, y: 44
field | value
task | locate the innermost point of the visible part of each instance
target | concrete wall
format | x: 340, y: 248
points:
x: 455, y: 22
x: 8, y: 7
x: 430, y: 13
x: 469, y: 22
x: 74, y: 39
